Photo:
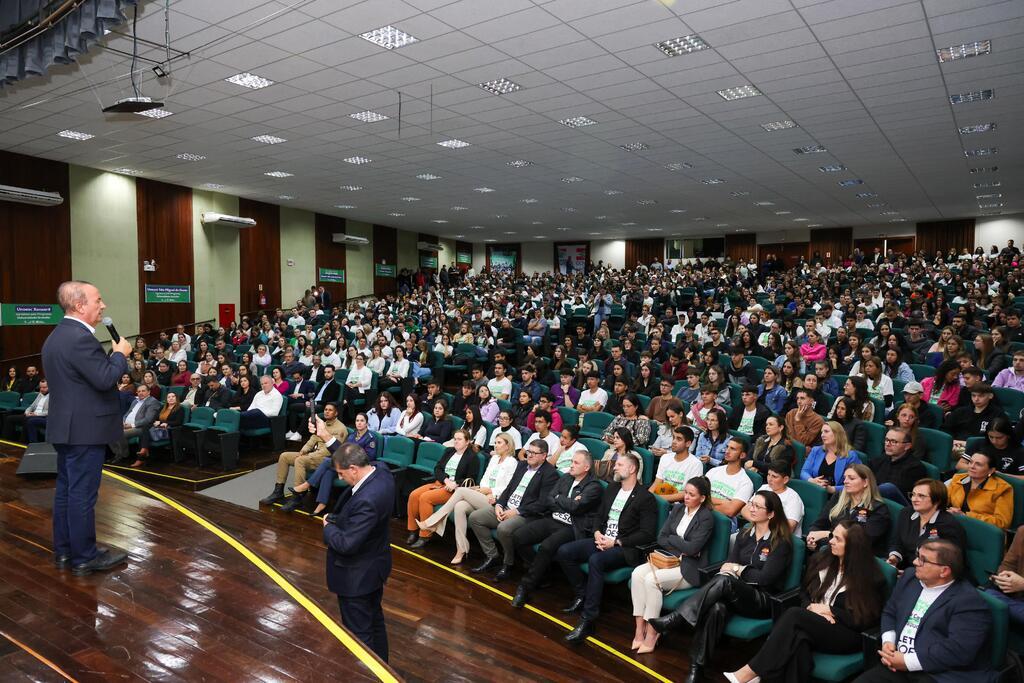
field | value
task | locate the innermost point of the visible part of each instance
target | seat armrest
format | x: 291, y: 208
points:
x: 709, y: 571
x: 783, y: 601
x: 871, y: 643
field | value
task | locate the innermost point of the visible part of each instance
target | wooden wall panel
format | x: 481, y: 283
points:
x: 945, y: 235
x: 463, y: 248
x: 331, y: 255
x: 788, y: 253
x: 259, y: 251
x: 420, y: 253
x: 385, y: 251
x: 832, y: 244
x: 165, y: 234
x: 738, y: 247
x: 645, y: 251
x: 35, y: 250
x: 900, y: 245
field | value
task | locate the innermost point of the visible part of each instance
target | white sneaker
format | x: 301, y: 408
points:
x: 293, y: 436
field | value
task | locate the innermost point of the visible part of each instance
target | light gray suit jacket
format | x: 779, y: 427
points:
x: 147, y: 413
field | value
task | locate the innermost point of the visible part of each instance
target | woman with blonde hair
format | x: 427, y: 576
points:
x: 826, y: 464
x: 858, y: 501
x: 468, y: 499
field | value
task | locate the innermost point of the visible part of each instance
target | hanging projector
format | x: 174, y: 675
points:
x: 132, y: 105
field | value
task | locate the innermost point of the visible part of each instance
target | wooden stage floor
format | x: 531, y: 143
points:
x: 190, y: 607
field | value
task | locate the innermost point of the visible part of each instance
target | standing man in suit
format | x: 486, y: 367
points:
x: 358, y: 540
x: 140, y: 417
x: 84, y: 417
x: 935, y: 626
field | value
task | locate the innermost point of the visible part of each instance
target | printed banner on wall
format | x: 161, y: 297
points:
x: 30, y: 314
x: 503, y: 260
x: 428, y: 261
x: 464, y: 258
x: 572, y: 258
x: 384, y: 270
x: 332, y: 275
x: 168, y: 294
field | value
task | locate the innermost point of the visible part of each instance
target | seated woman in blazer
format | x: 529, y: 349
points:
x: 842, y: 595
x: 756, y: 568
x: 925, y: 519
x: 685, y: 534
x: 826, y: 463
x: 773, y: 445
x: 860, y: 501
x: 455, y: 466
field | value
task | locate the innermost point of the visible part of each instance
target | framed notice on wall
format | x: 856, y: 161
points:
x: 463, y: 258
x: 30, y: 314
x: 168, y: 294
x: 331, y: 275
x: 428, y: 261
x: 384, y: 270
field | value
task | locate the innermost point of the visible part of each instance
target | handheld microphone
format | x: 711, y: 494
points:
x: 109, y: 324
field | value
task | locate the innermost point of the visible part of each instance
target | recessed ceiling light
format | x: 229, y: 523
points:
x: 865, y: 195
x: 212, y: 186
x: 984, y: 169
x: 127, y: 171
x: 593, y: 233
x: 809, y: 149
x: 519, y: 163
x: 948, y: 54
x: 459, y: 236
x: 677, y: 210
x: 568, y: 209
x: 396, y: 214
x: 248, y: 80
x: 739, y: 92
x: 368, y: 116
x: 577, y: 121
x: 995, y: 195
x: 984, y: 186
x: 439, y: 221
x: 285, y: 197
x: 992, y: 205
x: 350, y: 188
x: 454, y: 143
x: 459, y: 208
x: 814, y: 225
x: 410, y: 199
x: 975, y: 96
x: 537, y: 223
x: 188, y: 156
x: 279, y: 174
x: 562, y: 229
x: 501, y: 215
x: 764, y: 203
x: 626, y: 225
x: 700, y: 219
x: 268, y: 139
x: 850, y: 183
x: 476, y: 227
x: 977, y: 128
x: 572, y: 179
x: 75, y: 135
x: 501, y: 86
x: 682, y: 46
x: 991, y: 213
x: 678, y: 165
x: 357, y: 160
x: 739, y: 193
x: 832, y: 168
x: 654, y: 229
x: 712, y: 181
x: 984, y: 152
x: 155, y: 113
x: 612, y: 193
x: 490, y: 239
x: 877, y: 205
x: 646, y: 202
x: 721, y: 225
x: 801, y: 220
x: 388, y: 37
x: 778, y: 125
x: 782, y: 213
x: 483, y: 190
x: 898, y: 220
x: 428, y: 176
x: 344, y: 206
x: 528, y: 200
x: 635, y: 146
x: 508, y: 232
x: 889, y: 213
x: 599, y: 218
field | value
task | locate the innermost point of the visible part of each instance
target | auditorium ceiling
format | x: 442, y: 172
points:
x: 757, y: 114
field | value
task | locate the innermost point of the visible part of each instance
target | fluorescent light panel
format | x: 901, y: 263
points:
x: 739, y: 92
x: 350, y: 188
x: 778, y: 125
x: 682, y: 45
x: 572, y: 179
x: 974, y: 96
x: 977, y: 128
x: 279, y: 174
x: 954, y: 52
x: 634, y: 146
x: 983, y: 152
x: 809, y: 149
x: 851, y: 182
x: 388, y: 37
x: 268, y: 139
x: 75, y: 135
x: 454, y: 143
x: 188, y: 156
x: 155, y: 113
x: 520, y: 163
x: 678, y: 165
x: 357, y: 160
x: 368, y: 116
x: 248, y: 80
x: 428, y: 176
x: 501, y: 86
x: 577, y: 121
x: 832, y: 168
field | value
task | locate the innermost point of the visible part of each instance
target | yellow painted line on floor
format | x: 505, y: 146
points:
x: 344, y: 637
x: 13, y: 443
x: 171, y: 476
x: 44, y: 660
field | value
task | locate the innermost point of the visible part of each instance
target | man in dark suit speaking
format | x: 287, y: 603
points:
x: 85, y: 416
x: 358, y: 540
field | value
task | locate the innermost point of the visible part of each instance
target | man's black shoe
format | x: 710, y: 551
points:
x: 584, y: 629
x: 102, y: 562
x: 522, y: 595
x: 696, y: 674
x: 419, y: 543
x: 292, y: 504
x: 504, y: 573
x: 489, y: 563
x: 61, y: 561
x: 576, y: 606
x: 276, y: 496
x: 411, y: 538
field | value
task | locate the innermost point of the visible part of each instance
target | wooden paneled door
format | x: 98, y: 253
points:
x: 259, y: 249
x: 385, y: 252
x: 788, y: 253
x: 165, y: 235
x: 331, y: 255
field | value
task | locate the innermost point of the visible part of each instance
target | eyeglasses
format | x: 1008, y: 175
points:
x: 924, y: 561
x: 756, y: 506
x: 894, y: 441
x: 534, y: 452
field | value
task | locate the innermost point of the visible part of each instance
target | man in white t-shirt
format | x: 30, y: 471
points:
x: 778, y: 481
x: 677, y: 466
x: 542, y: 421
x: 731, y: 488
x: 500, y: 385
x: 592, y: 399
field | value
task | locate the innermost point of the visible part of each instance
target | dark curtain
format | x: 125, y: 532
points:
x: 71, y: 36
x: 945, y: 235
x: 644, y: 251
x: 741, y: 247
x: 832, y: 244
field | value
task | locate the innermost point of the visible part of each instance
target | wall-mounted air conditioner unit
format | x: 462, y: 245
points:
x: 23, y: 195
x: 342, y: 238
x: 224, y: 220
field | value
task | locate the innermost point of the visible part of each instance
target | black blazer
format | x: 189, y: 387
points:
x: 535, y: 497
x: 468, y: 466
x: 332, y: 392
x: 856, y: 434
x: 762, y: 456
x: 690, y: 545
x: 904, y: 473
x: 85, y: 408
x: 876, y: 521
x: 764, y: 566
x: 638, y: 522
x: 358, y: 539
x: 175, y: 419
x: 909, y: 535
x: 221, y: 398
x: 582, y: 507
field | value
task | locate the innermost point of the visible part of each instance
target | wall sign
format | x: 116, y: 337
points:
x: 384, y: 270
x: 30, y: 314
x: 168, y: 294
x: 331, y: 275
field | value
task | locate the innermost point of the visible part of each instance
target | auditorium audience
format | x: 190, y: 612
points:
x: 980, y: 494
x: 857, y: 500
x: 926, y: 518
